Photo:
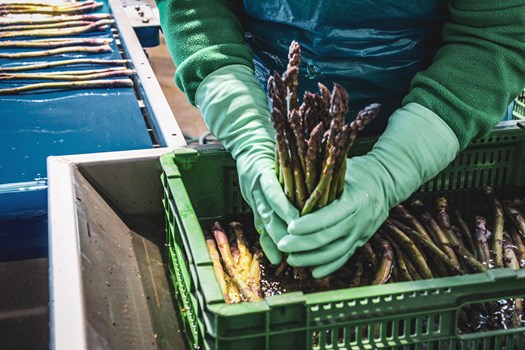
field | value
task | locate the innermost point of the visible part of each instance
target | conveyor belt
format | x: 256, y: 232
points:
x: 38, y: 124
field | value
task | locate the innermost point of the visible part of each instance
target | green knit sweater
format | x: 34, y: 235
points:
x: 476, y: 73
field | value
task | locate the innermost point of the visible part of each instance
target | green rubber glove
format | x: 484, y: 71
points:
x: 416, y: 145
x: 236, y: 111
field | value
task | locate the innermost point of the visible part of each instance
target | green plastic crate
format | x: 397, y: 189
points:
x: 519, y: 107
x: 201, y: 186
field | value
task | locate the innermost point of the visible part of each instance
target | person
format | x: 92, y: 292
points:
x: 444, y: 71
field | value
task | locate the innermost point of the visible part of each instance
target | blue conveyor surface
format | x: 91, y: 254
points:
x: 39, y: 124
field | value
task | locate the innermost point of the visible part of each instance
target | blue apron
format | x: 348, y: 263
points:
x: 372, y: 48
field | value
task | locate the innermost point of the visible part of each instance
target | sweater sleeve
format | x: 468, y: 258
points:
x: 478, y: 70
x: 202, y: 36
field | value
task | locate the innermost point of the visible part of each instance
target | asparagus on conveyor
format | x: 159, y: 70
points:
x: 69, y: 85
x: 61, y: 63
x: 54, y: 43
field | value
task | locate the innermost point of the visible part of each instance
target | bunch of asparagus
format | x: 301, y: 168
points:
x: 312, y: 139
x: 417, y: 242
x: 237, y: 269
x: 56, y: 23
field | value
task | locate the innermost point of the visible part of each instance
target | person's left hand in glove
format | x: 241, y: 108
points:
x: 236, y: 111
x: 416, y: 145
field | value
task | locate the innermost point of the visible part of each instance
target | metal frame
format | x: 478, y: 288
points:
x: 159, y: 114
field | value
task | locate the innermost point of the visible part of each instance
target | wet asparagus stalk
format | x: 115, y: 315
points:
x: 290, y: 76
x: 255, y: 272
x: 324, y: 181
x: 414, y: 273
x: 245, y: 256
x: 82, y: 7
x: 54, y: 25
x: 315, y: 109
x: 54, y: 19
x: 323, y: 104
x: 400, y: 211
x: 72, y: 62
x: 384, y: 270
x: 429, y: 244
x: 356, y: 280
x: 438, y: 235
x: 497, y: 227
x: 54, y: 43
x: 515, y: 216
x: 364, y: 117
x: 70, y: 75
x: 236, y: 255
x: 60, y: 32
x: 406, y: 243
x: 25, y: 4
x: 217, y: 267
x: 444, y: 224
x: 400, y: 262
x: 57, y: 51
x: 312, y: 154
x: 336, y: 138
x: 482, y: 238
x: 234, y: 296
x: 298, y: 176
x: 296, y: 123
x: 519, y: 204
x: 518, y: 243
x: 511, y: 261
x: 293, y: 127
x: 69, y: 85
x: 369, y: 253
x: 335, y: 148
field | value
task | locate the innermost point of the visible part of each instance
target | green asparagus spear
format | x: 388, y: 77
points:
x: 497, y: 227
x: 405, y: 242
x: 384, y: 269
